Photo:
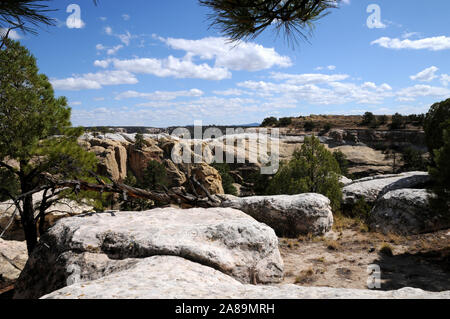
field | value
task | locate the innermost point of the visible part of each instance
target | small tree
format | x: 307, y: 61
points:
x: 369, y: 119
x: 342, y: 161
x: 312, y: 170
x: 285, y: 121
x: 309, y: 126
x: 270, y: 122
x: 139, y: 141
x: 398, y: 122
x: 441, y: 175
x: 155, y: 176
x: 227, y: 179
x: 413, y: 160
x: 434, y: 125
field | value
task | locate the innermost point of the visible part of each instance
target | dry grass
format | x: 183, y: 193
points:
x: 305, y: 276
x: 332, y: 245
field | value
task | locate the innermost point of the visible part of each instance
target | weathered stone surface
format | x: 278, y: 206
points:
x: 372, y: 188
x: 61, y: 209
x: 175, y: 176
x: 167, y: 277
x: 289, y: 216
x: 222, y: 238
x: 112, y: 156
x: 405, y: 211
x: 345, y: 181
x: 209, y: 177
x: 139, y: 159
x: 13, y: 257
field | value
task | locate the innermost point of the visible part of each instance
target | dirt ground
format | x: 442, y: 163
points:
x: 341, y: 260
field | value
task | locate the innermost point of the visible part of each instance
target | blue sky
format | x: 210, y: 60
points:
x: 156, y: 63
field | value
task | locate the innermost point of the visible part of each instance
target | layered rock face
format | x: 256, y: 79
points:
x: 371, y: 188
x: 167, y: 277
x: 80, y: 249
x: 289, y: 216
x: 406, y: 212
x: 118, y: 155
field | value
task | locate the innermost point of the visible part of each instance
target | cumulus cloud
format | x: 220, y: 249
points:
x: 246, y: 56
x: 426, y: 75
x: 445, y: 79
x: 309, y: 78
x: 160, y: 95
x: 320, y: 89
x: 420, y: 90
x: 169, y: 67
x: 94, y: 81
x: 432, y: 44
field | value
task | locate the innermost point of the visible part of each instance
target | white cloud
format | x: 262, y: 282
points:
x: 108, y: 30
x: 170, y: 67
x: 308, y: 78
x: 114, y: 50
x: 432, y: 44
x: 230, y: 92
x: 160, y: 95
x: 420, y: 90
x: 13, y: 34
x: 445, y: 79
x: 246, y: 56
x: 94, y: 81
x: 426, y: 75
x: 126, y: 17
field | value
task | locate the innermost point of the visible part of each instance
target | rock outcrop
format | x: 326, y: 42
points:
x: 167, y: 277
x: 86, y: 248
x: 289, y: 216
x: 406, y: 212
x: 371, y: 188
x: 13, y: 257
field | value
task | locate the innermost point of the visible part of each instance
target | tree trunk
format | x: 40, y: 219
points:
x: 28, y: 224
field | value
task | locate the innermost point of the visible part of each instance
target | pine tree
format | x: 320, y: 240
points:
x: 36, y: 135
x: 312, y: 170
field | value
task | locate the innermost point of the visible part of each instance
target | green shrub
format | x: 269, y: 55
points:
x: 440, y: 175
x: 361, y: 209
x: 227, y: 179
x: 139, y: 142
x: 369, y: 119
x: 342, y: 161
x: 434, y: 124
x: 413, y: 160
x: 398, y: 122
x: 155, y: 176
x: 309, y: 126
x: 285, y: 121
x: 269, y: 122
x: 312, y: 170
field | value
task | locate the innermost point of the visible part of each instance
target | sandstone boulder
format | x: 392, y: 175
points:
x: 13, y: 257
x: 168, y: 277
x: 112, y: 155
x: 406, y: 212
x: 372, y: 188
x: 84, y: 248
x: 289, y: 216
x: 209, y: 177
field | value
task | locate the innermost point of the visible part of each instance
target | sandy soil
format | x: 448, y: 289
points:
x: 342, y: 257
